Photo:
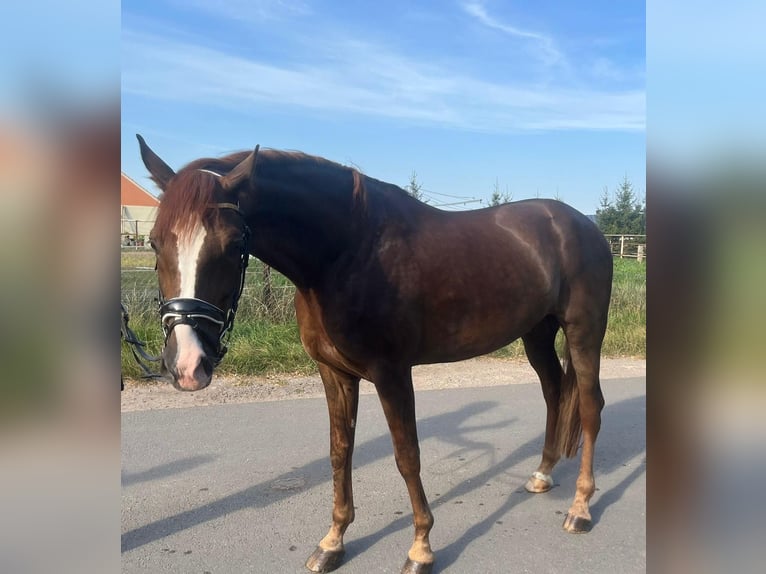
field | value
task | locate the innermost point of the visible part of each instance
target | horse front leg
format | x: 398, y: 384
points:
x: 342, y: 392
x: 398, y: 400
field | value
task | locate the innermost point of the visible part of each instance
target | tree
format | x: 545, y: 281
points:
x: 625, y: 215
x: 414, y: 187
x: 499, y: 198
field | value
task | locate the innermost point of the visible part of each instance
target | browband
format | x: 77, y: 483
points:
x: 224, y: 205
x: 233, y: 206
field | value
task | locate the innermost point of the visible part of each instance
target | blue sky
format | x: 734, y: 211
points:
x: 544, y: 98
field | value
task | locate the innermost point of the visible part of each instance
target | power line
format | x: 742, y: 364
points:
x: 440, y: 202
x: 459, y: 203
x: 446, y: 194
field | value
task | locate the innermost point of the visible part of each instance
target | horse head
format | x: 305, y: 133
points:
x: 201, y: 241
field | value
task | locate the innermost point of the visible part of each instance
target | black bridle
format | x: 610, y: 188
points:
x: 189, y: 310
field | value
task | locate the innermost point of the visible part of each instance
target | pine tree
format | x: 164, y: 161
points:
x: 414, y: 187
x: 499, y: 198
x: 626, y: 215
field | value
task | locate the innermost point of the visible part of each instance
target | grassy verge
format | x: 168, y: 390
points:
x: 626, y: 330
x: 266, y: 340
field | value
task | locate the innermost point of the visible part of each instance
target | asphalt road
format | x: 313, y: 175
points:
x: 246, y: 487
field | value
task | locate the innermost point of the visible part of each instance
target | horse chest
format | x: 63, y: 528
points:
x: 319, y: 344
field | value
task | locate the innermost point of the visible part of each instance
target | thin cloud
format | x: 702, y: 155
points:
x: 352, y: 76
x: 605, y: 69
x: 547, y: 49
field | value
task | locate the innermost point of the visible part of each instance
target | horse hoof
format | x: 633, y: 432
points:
x: 577, y: 524
x: 324, y: 560
x: 412, y: 567
x: 539, y: 483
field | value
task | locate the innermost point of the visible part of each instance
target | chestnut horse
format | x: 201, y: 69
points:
x: 385, y: 282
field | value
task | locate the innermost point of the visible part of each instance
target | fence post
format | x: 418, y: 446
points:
x: 640, y: 255
x: 622, y: 246
x: 268, y: 292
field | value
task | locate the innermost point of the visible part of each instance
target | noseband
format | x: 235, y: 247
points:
x: 189, y: 311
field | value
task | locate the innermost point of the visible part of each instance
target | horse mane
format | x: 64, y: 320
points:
x: 191, y: 191
x: 185, y: 201
x: 289, y: 159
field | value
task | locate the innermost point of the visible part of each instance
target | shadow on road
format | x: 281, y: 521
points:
x: 616, y: 453
x: 617, y: 445
x: 261, y: 495
x: 165, y: 470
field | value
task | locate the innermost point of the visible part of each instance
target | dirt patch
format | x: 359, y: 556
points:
x: 479, y: 372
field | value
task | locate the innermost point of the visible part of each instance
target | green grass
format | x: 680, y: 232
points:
x: 267, y: 348
x: 626, y: 329
x: 266, y: 341
x: 132, y: 258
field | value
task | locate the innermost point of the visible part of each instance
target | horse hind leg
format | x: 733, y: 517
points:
x: 585, y: 352
x: 541, y: 352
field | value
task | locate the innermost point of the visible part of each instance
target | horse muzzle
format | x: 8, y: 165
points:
x: 191, y: 375
x: 188, y: 361
x: 199, y: 379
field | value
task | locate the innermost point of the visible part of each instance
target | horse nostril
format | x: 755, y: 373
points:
x: 207, y: 366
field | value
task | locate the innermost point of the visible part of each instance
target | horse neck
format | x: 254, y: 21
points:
x: 302, y: 220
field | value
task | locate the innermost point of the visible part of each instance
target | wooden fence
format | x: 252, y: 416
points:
x: 628, y: 246
x: 135, y: 232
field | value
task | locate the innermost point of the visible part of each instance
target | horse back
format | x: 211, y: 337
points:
x: 449, y: 286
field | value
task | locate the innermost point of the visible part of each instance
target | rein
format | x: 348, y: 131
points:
x: 189, y: 310
x: 137, y: 347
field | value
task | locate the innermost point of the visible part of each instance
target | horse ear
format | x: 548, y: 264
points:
x: 244, y: 170
x: 160, y: 171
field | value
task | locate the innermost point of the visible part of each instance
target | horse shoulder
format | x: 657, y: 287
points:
x: 315, y: 339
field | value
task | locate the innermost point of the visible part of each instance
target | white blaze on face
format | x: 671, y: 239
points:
x: 189, y: 348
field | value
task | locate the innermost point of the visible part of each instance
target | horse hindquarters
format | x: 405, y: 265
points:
x: 573, y: 393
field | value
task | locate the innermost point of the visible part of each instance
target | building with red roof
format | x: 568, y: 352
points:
x: 138, y: 210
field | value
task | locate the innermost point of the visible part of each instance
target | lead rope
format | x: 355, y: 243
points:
x: 136, y: 348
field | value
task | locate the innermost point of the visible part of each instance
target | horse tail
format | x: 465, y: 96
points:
x: 569, y: 426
